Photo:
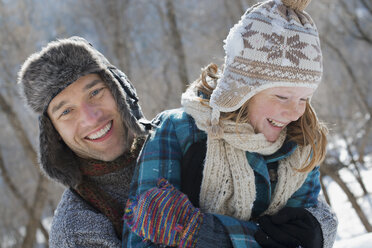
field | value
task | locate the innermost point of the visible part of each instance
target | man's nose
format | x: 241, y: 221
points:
x: 90, y: 114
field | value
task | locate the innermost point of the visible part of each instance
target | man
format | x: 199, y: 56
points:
x: 91, y: 131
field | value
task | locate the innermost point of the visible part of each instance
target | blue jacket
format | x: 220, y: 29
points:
x: 162, y: 156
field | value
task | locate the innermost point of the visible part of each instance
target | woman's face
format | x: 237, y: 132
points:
x: 273, y: 109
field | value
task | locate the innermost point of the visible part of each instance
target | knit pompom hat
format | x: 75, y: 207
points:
x: 46, y: 73
x: 276, y: 43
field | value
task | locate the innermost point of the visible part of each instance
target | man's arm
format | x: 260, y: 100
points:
x: 327, y: 220
x: 75, y: 224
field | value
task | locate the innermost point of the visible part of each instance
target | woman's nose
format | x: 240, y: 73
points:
x: 294, y: 111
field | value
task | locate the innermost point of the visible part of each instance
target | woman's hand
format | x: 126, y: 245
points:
x: 164, y: 216
x: 290, y: 227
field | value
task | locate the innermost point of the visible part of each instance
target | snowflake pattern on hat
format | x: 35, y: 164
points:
x: 273, y: 45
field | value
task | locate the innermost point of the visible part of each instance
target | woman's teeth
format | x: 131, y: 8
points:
x: 100, y: 133
x: 276, y: 124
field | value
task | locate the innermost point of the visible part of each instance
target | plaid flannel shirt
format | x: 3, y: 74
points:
x: 162, y: 155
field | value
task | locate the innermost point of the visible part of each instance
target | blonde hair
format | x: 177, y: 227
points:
x: 307, y: 130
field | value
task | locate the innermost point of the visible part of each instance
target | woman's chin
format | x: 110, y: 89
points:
x: 271, y: 138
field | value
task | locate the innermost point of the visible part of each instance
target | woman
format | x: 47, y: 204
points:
x: 263, y: 143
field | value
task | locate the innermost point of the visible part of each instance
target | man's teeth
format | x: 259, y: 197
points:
x: 276, y: 124
x: 101, y: 132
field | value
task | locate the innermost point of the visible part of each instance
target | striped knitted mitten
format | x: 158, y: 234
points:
x: 164, y: 216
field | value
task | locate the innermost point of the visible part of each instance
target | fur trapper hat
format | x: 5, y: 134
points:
x: 46, y: 73
x: 276, y: 43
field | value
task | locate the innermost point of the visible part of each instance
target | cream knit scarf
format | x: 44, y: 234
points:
x: 228, y: 185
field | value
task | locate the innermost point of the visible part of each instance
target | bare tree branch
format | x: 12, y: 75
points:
x: 359, y: 211
x: 361, y: 97
x: 176, y: 42
x: 40, y: 194
x: 8, y: 182
x: 367, y: 5
x: 362, y: 34
x: 37, y: 208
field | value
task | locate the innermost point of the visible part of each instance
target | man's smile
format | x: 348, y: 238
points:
x: 101, y: 133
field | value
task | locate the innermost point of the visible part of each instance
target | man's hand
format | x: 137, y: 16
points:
x: 290, y: 227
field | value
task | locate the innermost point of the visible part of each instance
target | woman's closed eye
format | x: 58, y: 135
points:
x: 281, y: 97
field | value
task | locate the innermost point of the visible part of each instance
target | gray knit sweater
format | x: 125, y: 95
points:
x: 77, y: 224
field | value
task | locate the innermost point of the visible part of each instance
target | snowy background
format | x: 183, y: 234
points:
x: 351, y: 233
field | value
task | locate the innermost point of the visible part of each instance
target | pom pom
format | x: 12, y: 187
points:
x: 296, y: 4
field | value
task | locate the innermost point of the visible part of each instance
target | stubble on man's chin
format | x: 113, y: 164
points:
x: 129, y: 144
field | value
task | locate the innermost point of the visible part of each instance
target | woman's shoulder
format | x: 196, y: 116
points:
x: 179, y: 123
x: 173, y: 115
x: 175, y: 119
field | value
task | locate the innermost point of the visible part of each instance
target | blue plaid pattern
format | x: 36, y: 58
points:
x: 161, y: 157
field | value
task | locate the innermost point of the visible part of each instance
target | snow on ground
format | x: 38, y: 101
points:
x: 361, y: 241
x: 351, y: 233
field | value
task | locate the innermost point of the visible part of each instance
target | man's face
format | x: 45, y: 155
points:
x: 85, y: 115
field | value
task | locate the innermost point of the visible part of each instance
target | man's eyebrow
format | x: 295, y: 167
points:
x: 86, y: 87
x: 92, y: 84
x: 58, y: 106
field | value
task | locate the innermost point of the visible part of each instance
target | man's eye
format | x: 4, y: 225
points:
x: 96, y: 92
x: 66, y: 112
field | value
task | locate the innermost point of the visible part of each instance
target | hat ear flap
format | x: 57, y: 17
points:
x: 56, y: 159
x: 126, y: 100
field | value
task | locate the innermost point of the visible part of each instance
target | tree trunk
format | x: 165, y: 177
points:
x: 361, y: 97
x: 121, y: 42
x: 359, y: 179
x: 356, y: 171
x: 336, y: 177
x: 37, y: 207
x: 364, y: 142
x: 234, y: 10
x: 40, y: 193
x: 324, y: 189
x: 176, y: 42
x: 8, y: 182
x: 229, y: 11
